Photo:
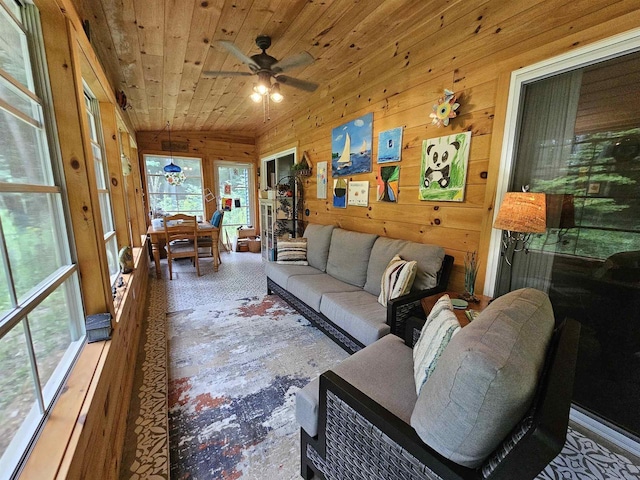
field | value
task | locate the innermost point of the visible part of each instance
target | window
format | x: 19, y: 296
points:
x: 185, y: 198
x: 235, y: 186
x: 41, y: 318
x: 102, y: 181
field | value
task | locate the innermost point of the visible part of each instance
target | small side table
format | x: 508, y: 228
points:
x: 429, y: 302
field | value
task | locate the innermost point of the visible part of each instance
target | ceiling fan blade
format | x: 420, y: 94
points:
x: 297, y: 83
x: 226, y: 74
x: 299, y: 60
x: 236, y: 51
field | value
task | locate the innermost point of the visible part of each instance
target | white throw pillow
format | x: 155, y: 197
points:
x: 440, y: 327
x: 397, y: 279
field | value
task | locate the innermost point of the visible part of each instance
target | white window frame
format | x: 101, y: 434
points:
x: 612, y: 47
x: 92, y: 110
x: 66, y: 276
x: 150, y: 193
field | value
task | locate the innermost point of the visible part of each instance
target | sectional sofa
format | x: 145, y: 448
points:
x: 338, y: 290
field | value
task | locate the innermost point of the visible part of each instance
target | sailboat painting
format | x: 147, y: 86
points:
x: 390, y: 145
x: 351, y: 147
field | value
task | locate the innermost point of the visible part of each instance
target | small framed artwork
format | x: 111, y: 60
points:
x: 321, y: 180
x: 358, y: 193
x: 390, y: 145
x: 443, y: 173
x: 593, y: 189
x: 388, y: 177
x: 340, y: 193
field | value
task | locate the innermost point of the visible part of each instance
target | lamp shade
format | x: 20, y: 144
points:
x: 522, y: 212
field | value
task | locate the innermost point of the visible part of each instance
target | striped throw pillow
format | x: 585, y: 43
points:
x: 440, y: 327
x: 397, y: 279
x: 292, y: 252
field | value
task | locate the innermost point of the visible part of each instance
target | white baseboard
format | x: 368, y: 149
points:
x: 600, y: 428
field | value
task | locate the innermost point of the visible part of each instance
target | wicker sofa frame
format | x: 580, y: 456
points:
x: 399, y: 310
x: 359, y: 438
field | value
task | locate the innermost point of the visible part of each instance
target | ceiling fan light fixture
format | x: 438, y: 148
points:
x: 256, y: 97
x: 276, y: 96
x: 262, y: 89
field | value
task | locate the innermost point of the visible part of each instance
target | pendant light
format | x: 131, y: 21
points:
x: 173, y: 173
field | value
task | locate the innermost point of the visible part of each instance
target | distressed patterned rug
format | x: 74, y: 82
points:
x: 234, y: 368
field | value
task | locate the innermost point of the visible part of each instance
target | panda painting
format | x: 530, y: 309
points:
x: 444, y: 167
x: 439, y: 158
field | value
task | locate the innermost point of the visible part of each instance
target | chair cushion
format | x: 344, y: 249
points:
x: 318, y: 241
x: 486, y: 378
x: 357, y: 313
x: 374, y: 370
x: 281, y: 273
x: 397, y: 279
x: 310, y: 288
x: 215, y: 219
x: 349, y: 256
x: 440, y: 327
x: 292, y: 251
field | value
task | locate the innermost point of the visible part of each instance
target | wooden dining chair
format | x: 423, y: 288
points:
x: 213, y: 242
x: 181, y: 235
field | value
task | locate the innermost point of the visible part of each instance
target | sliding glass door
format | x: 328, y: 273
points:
x: 578, y: 141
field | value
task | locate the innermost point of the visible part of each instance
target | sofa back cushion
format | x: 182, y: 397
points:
x: 318, y: 241
x: 384, y: 249
x: 349, y: 256
x: 429, y: 258
x: 486, y: 378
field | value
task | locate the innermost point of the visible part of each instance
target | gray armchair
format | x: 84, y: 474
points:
x: 364, y: 419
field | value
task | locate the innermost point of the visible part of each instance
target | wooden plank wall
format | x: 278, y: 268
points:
x: 210, y: 146
x: 471, y: 49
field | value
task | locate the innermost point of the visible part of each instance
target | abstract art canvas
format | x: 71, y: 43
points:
x: 358, y: 193
x: 388, y: 177
x: 340, y: 193
x: 351, y: 147
x: 390, y: 145
x: 443, y: 174
x: 321, y: 180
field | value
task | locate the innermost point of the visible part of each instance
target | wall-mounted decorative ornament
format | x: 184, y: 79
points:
x: 445, y: 109
x: 126, y: 165
x: 175, y: 178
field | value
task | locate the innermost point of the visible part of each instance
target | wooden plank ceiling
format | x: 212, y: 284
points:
x: 156, y: 52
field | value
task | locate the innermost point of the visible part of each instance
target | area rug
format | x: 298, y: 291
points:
x: 234, y: 369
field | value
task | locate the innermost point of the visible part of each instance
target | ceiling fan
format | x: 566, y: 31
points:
x: 266, y: 67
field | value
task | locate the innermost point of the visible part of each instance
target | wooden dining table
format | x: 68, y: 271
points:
x: 205, y: 229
